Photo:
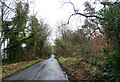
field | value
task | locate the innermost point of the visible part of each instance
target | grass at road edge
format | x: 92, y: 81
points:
x: 11, y: 69
x: 77, y: 68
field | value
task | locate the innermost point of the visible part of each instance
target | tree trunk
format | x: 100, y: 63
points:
x: 1, y: 29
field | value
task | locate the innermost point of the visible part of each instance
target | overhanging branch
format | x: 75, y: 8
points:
x: 82, y: 14
x: 88, y: 16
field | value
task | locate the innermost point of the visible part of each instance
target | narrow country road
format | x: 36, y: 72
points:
x: 48, y: 69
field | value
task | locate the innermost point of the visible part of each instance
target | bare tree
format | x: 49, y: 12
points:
x: 91, y: 21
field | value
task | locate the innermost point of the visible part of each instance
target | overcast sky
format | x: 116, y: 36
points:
x: 52, y: 11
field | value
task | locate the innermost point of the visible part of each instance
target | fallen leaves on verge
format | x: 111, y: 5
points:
x: 13, y: 68
x: 78, y: 68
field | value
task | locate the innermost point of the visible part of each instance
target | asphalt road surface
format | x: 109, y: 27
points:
x: 48, y: 69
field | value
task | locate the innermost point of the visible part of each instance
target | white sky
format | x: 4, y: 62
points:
x: 53, y: 12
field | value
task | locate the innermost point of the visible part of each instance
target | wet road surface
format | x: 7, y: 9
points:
x: 48, y: 69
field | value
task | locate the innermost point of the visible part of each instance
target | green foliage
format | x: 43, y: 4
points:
x: 111, y: 67
x: 40, y: 31
x: 47, y: 50
x: 24, y: 29
x: 111, y: 24
x: 17, y: 34
x: 20, y: 19
x: 60, y: 49
x: 73, y: 43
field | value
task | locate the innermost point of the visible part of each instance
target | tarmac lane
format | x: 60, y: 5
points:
x: 46, y: 70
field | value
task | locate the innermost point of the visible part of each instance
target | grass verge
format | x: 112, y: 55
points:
x: 11, y: 69
x: 77, y: 68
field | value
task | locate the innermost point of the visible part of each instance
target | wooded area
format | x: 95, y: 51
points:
x: 23, y: 36
x: 97, y: 41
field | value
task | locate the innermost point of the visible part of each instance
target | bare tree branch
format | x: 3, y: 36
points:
x: 70, y: 18
x: 98, y: 28
x: 87, y: 16
x: 82, y: 14
x: 7, y: 6
x: 72, y: 5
